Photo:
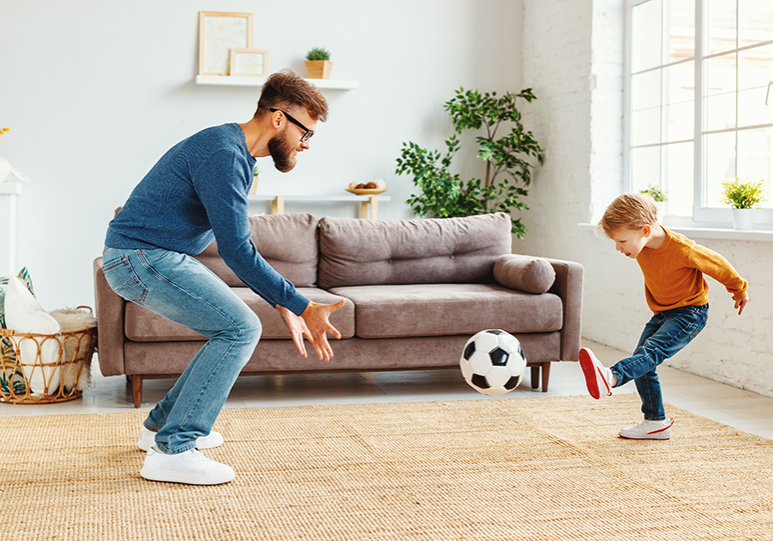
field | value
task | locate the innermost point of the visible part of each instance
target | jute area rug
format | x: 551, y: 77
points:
x: 504, y: 469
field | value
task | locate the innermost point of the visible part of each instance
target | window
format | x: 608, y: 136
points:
x: 699, y: 102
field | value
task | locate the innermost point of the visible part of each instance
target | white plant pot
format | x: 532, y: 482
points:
x: 661, y: 206
x: 743, y: 219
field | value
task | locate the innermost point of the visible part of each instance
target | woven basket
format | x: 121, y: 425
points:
x: 28, y: 380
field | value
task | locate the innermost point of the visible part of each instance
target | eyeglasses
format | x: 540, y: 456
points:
x: 306, y: 136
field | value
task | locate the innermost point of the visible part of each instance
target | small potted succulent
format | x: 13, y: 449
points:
x: 318, y: 64
x: 743, y: 198
x: 660, y: 199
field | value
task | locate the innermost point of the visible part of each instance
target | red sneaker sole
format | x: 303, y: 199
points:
x: 589, y: 370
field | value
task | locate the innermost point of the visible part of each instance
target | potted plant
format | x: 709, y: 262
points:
x: 503, y: 146
x: 743, y: 198
x: 254, y: 185
x: 660, y: 199
x: 318, y: 64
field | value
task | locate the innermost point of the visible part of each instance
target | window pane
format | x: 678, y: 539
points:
x: 720, y: 165
x: 645, y: 167
x: 720, y: 74
x: 680, y: 81
x: 754, y: 164
x: 678, y: 183
x: 720, y: 112
x: 752, y: 109
x: 755, y: 67
x: 645, y: 90
x: 645, y: 127
x: 679, y: 114
x: 646, y: 40
x: 679, y: 120
x: 722, y: 26
x: 681, y: 30
x: 755, y: 22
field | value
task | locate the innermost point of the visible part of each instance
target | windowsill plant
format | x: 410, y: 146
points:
x: 743, y: 197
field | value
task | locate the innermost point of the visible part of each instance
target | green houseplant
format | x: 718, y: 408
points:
x: 743, y: 197
x: 507, y: 172
x: 656, y: 193
x: 659, y: 197
x: 318, y: 64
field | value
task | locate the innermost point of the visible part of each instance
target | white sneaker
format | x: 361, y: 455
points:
x: 190, y: 467
x: 648, y: 430
x: 148, y: 439
x: 597, y: 376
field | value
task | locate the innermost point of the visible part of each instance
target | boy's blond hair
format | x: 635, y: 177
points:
x: 629, y: 211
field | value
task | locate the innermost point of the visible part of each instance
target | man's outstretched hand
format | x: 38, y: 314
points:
x: 314, y: 324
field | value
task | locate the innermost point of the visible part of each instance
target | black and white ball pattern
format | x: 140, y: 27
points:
x: 492, y: 362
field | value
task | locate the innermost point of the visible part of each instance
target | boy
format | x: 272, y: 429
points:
x: 677, y: 293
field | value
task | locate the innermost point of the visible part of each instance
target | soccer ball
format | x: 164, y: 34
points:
x: 492, y: 362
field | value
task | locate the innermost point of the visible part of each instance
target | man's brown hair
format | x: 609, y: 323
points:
x: 286, y: 91
x: 628, y: 211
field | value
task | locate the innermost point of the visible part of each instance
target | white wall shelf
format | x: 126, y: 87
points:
x: 227, y: 80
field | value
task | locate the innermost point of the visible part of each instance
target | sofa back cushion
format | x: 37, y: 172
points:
x: 287, y: 241
x: 450, y: 250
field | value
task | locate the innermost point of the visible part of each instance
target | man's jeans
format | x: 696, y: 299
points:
x: 183, y: 290
x: 663, y: 336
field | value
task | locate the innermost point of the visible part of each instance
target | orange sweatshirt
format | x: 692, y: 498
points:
x: 673, y: 274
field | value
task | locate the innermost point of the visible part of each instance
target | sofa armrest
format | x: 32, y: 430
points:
x: 568, y: 286
x: 110, y: 322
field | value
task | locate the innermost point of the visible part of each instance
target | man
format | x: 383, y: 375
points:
x: 197, y: 193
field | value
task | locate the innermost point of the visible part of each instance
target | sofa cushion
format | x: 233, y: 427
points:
x: 142, y: 325
x: 525, y: 273
x: 384, y: 311
x: 364, y: 252
x: 287, y: 241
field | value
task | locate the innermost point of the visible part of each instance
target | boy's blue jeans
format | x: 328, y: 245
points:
x: 663, y: 336
x: 183, y: 290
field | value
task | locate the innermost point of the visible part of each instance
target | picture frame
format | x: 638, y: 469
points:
x: 249, y: 62
x: 219, y: 32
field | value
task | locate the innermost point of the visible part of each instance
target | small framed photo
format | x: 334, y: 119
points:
x: 249, y: 62
x: 219, y: 32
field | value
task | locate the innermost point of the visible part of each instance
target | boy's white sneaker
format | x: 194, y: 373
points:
x: 648, y: 430
x: 190, y: 468
x: 148, y: 438
x: 598, y: 377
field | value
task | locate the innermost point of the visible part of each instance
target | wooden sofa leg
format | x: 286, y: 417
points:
x: 535, y: 376
x: 137, y: 390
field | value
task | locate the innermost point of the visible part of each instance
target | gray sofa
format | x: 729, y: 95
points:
x: 415, y: 291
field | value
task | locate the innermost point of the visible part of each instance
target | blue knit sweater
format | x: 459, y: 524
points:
x: 197, y: 193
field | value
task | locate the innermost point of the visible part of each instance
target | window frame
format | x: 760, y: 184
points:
x: 702, y: 215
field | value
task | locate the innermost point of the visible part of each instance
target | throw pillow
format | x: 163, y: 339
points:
x: 524, y: 273
x: 39, y: 356
x: 75, y: 346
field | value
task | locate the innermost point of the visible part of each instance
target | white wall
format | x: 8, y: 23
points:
x: 95, y: 92
x: 577, y: 75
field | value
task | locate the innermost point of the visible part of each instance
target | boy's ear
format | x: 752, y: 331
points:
x: 647, y: 230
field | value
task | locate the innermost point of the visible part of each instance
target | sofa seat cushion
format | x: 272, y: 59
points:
x: 142, y: 325
x: 391, y: 311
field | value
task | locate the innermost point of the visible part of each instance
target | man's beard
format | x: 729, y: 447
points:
x: 282, y: 152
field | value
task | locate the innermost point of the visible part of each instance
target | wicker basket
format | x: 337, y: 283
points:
x: 28, y: 380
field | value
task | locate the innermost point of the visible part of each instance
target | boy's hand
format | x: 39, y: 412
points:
x: 740, y: 304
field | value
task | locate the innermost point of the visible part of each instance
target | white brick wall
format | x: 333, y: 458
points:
x: 573, y: 54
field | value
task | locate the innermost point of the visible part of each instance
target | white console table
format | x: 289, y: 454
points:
x: 366, y: 201
x: 9, y: 191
